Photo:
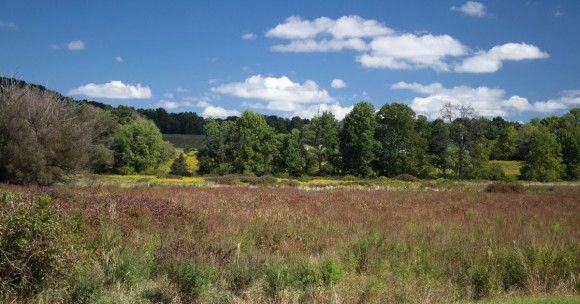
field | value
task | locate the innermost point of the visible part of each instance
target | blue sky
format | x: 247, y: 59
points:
x: 512, y: 58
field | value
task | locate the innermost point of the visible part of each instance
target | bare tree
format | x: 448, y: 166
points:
x: 460, y: 115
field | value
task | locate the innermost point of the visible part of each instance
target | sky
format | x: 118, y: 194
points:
x: 517, y: 59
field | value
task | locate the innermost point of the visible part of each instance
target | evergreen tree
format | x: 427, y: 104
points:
x: 179, y: 166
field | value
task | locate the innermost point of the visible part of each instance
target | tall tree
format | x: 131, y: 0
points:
x: 321, y: 134
x: 460, y: 116
x: 399, y: 141
x: 439, y: 143
x: 357, y: 141
x: 569, y: 138
x: 257, y: 145
x: 293, y: 153
x: 544, y: 159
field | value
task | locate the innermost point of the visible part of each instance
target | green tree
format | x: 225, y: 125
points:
x: 569, y: 138
x: 544, y: 158
x: 293, y: 153
x: 256, y: 146
x: 402, y: 146
x: 439, y: 146
x: 138, y: 146
x: 357, y: 141
x: 321, y: 134
x: 179, y: 166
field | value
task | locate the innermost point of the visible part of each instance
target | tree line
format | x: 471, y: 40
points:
x: 44, y: 136
x: 393, y: 141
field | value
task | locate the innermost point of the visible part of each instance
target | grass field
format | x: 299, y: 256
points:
x: 183, y: 141
x: 176, y: 244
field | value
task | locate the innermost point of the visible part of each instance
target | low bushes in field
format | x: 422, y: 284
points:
x: 505, y: 187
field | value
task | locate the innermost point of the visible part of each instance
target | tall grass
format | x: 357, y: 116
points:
x: 239, y: 244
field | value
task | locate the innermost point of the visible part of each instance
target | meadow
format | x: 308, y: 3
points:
x: 294, y: 244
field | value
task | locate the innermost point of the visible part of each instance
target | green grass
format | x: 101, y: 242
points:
x: 182, y: 141
x: 510, y: 168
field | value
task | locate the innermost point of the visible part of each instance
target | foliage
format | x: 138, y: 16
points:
x: 357, y: 142
x: 45, y: 135
x: 138, y: 146
x: 293, y: 153
x: 33, y: 246
x: 179, y: 166
x: 544, y: 158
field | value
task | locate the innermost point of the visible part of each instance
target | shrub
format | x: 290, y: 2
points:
x: 33, y: 245
x: 406, y: 178
x: 332, y: 271
x: 505, y: 187
x: 179, y: 166
x: 191, y: 279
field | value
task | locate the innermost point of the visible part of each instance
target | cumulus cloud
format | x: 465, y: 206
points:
x: 75, y: 45
x: 486, y: 101
x: 338, y: 84
x: 411, y: 52
x: 471, y: 8
x: 114, y: 89
x: 249, y: 36
x: 8, y: 25
x: 282, y: 94
x: 378, y: 46
x: 341, y: 28
x: 275, y: 90
x: 326, y: 35
x: 313, y: 110
x: 492, y: 60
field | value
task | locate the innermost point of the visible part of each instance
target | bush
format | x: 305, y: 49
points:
x: 33, y: 244
x: 332, y: 271
x: 190, y: 279
x: 505, y: 187
x: 406, y: 178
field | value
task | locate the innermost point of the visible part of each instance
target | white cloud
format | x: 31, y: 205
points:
x: 324, y: 45
x: 338, y: 84
x: 249, y: 36
x: 119, y: 59
x: 181, y: 90
x: 342, y: 28
x: 168, y: 95
x: 212, y: 111
x: 282, y: 94
x: 381, y: 47
x: 9, y: 25
x: 486, y: 101
x: 313, y: 110
x: 409, y: 51
x: 492, y: 60
x: 345, y: 32
x: 275, y: 90
x: 75, y: 45
x: 170, y: 105
x: 471, y: 8
x: 114, y: 89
